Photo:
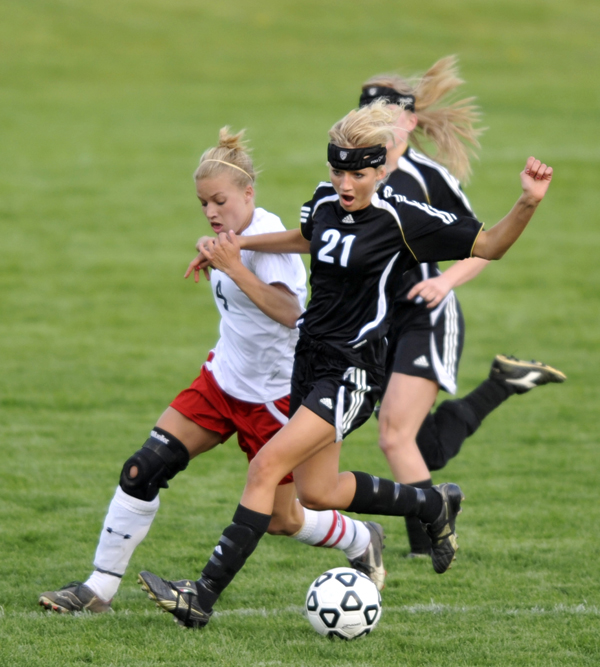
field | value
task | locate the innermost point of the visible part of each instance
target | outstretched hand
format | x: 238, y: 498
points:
x: 432, y: 291
x: 199, y: 263
x: 202, y: 261
x: 535, y: 179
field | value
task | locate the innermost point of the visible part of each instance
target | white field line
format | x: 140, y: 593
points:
x: 431, y: 608
x: 434, y: 608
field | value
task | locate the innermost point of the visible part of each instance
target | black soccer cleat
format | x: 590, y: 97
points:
x: 523, y: 375
x: 442, y: 531
x: 179, y: 598
x: 370, y: 562
x: 72, y: 598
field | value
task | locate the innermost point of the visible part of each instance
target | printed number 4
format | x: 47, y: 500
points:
x: 220, y: 295
x: 332, y: 237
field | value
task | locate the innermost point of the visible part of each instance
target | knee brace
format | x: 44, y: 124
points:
x: 159, y: 460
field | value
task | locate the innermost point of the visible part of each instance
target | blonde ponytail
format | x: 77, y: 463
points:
x: 451, y: 128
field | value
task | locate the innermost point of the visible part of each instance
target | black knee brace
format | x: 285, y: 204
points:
x: 159, y: 460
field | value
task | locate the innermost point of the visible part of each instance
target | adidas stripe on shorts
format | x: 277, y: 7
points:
x: 325, y: 383
x: 428, y: 343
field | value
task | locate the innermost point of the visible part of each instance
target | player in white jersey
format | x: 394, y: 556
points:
x: 243, y: 388
x: 360, y: 243
x: 427, y: 334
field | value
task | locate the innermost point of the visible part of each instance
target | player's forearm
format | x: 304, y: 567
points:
x: 494, y: 243
x: 465, y: 270
x: 290, y: 241
x: 277, y: 303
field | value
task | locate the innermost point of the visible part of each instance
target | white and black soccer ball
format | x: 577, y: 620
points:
x: 344, y: 603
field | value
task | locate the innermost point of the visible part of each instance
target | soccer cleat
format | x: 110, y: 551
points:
x: 523, y: 375
x: 74, y: 597
x: 179, y: 598
x: 443, y: 536
x: 371, y: 561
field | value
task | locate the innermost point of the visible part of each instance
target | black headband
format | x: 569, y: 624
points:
x: 354, y: 159
x: 372, y: 93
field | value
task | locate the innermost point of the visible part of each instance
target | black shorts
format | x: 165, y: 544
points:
x: 428, y: 343
x: 325, y: 382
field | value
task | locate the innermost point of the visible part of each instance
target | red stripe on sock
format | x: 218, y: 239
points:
x: 343, y: 531
x: 331, y: 531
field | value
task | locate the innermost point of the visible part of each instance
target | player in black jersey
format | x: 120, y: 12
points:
x: 360, y: 243
x: 427, y: 333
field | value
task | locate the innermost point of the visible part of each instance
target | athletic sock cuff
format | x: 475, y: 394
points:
x: 255, y: 520
x: 135, y: 504
x: 311, y: 518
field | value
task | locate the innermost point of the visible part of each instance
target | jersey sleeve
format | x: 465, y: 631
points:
x: 324, y: 191
x: 434, y: 235
x: 278, y: 268
x: 306, y: 221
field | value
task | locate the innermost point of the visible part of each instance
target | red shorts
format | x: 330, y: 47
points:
x: 206, y: 404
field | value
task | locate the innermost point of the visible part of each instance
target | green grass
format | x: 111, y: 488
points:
x: 104, y: 110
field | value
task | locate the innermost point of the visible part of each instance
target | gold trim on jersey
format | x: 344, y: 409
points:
x: 475, y: 241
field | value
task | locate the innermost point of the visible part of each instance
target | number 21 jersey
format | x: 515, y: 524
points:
x: 358, y: 258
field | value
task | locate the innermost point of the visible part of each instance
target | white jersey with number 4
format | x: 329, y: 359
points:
x: 254, y: 356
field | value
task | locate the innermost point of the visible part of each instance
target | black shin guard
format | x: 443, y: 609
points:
x: 418, y: 539
x: 443, y: 432
x: 487, y: 397
x: 237, y: 543
x: 375, y: 495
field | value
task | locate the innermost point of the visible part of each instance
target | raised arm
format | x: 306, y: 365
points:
x: 433, y: 290
x: 535, y: 179
x: 290, y: 241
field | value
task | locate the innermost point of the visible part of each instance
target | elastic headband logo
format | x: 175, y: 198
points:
x: 372, y: 93
x: 355, y: 159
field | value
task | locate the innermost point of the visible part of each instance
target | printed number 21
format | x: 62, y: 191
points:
x: 332, y: 238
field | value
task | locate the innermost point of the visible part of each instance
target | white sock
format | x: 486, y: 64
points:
x: 127, y: 523
x: 335, y: 531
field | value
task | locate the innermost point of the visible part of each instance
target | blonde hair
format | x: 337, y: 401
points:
x: 371, y: 125
x: 230, y: 156
x: 451, y: 128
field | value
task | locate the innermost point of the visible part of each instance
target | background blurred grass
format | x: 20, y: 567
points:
x: 104, y: 111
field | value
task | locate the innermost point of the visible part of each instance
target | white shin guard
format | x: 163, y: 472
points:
x: 127, y: 523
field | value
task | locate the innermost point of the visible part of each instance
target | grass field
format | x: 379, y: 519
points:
x: 104, y: 110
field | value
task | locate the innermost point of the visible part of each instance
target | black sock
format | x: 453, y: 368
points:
x: 375, y: 495
x: 487, y: 397
x: 418, y: 539
x: 237, y: 543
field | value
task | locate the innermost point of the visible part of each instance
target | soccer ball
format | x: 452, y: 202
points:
x: 343, y: 603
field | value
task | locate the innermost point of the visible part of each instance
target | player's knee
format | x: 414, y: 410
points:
x: 392, y: 440
x: 263, y: 471
x: 149, y: 469
x: 314, y: 499
x: 283, y: 525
